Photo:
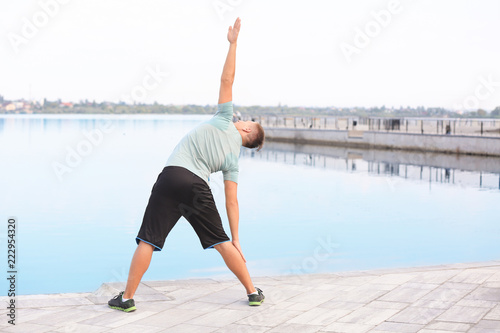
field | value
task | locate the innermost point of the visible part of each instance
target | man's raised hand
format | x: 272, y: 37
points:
x: 232, y: 34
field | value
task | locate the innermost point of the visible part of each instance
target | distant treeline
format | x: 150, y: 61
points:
x: 130, y: 109
x: 87, y: 107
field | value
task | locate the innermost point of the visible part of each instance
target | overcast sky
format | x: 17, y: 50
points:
x: 442, y: 53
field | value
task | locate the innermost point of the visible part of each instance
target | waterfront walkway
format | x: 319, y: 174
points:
x: 448, y: 298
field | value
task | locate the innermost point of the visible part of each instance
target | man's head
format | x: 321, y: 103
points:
x: 252, y: 134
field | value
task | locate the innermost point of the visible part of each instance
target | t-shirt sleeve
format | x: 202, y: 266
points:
x: 231, y: 175
x: 231, y: 168
x: 225, y: 110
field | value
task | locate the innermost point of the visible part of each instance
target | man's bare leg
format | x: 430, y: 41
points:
x: 139, y: 266
x: 236, y: 264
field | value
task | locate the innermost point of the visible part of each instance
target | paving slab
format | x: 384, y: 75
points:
x: 494, y: 314
x: 449, y: 326
x: 416, y: 315
x: 462, y: 297
x: 397, y: 327
x: 290, y: 328
x: 463, y: 314
x: 486, y: 326
x: 319, y: 316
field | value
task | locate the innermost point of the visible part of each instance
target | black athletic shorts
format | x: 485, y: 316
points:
x: 179, y: 192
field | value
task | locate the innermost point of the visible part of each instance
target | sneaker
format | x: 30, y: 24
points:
x: 255, y: 300
x: 118, y: 303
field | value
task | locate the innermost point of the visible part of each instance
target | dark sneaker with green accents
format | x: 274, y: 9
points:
x: 255, y: 300
x: 118, y: 303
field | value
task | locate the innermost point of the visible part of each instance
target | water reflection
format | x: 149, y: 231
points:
x: 463, y: 170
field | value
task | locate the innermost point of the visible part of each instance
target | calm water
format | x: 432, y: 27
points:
x: 79, y: 186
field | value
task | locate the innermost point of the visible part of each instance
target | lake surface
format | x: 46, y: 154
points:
x: 78, y: 186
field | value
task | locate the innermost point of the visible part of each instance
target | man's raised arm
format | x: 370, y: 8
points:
x: 227, y: 78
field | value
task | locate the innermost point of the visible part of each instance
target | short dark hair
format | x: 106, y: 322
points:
x: 256, y: 139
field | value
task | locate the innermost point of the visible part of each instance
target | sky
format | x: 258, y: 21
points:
x: 441, y: 53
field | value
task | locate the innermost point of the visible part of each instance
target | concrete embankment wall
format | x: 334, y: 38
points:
x: 456, y: 144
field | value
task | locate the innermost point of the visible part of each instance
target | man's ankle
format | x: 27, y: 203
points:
x: 126, y: 296
x: 254, y: 291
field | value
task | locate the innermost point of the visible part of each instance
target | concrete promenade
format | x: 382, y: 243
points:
x: 439, y: 299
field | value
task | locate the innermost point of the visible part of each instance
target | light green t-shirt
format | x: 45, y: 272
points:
x: 210, y: 147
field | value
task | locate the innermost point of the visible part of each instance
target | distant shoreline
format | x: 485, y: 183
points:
x: 191, y: 109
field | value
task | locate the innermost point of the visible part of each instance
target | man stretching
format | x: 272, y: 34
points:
x: 182, y: 190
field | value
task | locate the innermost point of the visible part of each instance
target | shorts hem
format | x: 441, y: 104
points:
x: 156, y: 248
x: 212, y: 246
